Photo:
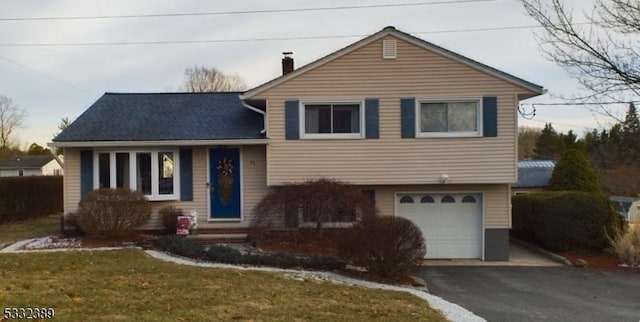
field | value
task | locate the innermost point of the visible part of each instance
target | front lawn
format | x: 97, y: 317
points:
x: 128, y: 285
x: 38, y: 227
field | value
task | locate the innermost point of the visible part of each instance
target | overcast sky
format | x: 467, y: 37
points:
x: 52, y: 82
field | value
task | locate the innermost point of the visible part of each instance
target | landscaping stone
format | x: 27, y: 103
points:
x: 581, y: 262
x: 417, y: 281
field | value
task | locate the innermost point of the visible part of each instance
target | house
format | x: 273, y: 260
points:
x: 627, y: 207
x: 533, y: 176
x: 30, y: 165
x: 428, y: 134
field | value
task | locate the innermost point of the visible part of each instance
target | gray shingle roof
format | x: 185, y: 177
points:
x: 534, y: 173
x: 26, y: 162
x: 165, y: 116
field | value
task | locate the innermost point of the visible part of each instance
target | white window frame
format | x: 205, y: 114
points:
x: 155, y: 180
x: 479, y: 118
x: 302, y: 118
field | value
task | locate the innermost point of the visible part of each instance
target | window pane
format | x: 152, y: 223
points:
x: 122, y: 170
x: 104, y: 173
x: 317, y: 119
x: 433, y: 117
x: 165, y: 173
x: 346, y: 118
x: 463, y: 117
x: 143, y: 172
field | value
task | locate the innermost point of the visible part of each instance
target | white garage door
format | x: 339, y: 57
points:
x: 451, y: 223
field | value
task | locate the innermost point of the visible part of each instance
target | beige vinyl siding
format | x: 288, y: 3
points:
x: 254, y: 182
x: 497, y: 210
x: 390, y: 159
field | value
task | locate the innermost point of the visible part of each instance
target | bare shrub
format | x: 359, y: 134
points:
x: 387, y: 246
x: 626, y: 246
x: 169, y: 216
x: 318, y: 201
x: 112, y: 213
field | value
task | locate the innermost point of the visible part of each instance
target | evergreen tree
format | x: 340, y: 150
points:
x: 549, y: 144
x: 573, y: 172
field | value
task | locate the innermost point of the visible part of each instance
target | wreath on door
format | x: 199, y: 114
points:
x: 225, y: 179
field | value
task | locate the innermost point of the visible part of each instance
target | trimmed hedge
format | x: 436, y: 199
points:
x: 24, y: 198
x: 567, y: 220
x: 186, y: 247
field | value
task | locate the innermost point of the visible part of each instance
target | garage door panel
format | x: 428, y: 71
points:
x: 451, y: 228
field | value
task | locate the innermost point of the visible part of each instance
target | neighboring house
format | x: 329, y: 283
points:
x: 428, y: 134
x: 533, y: 176
x: 627, y: 207
x: 30, y: 165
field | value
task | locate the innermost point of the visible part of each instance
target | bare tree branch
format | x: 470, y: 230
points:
x: 11, y: 118
x: 202, y: 79
x: 602, y: 57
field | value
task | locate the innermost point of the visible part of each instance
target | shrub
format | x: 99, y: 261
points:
x: 24, y: 198
x: 180, y: 245
x: 626, y: 246
x: 566, y: 220
x: 169, y: 216
x: 386, y: 246
x: 574, y: 173
x: 222, y: 254
x: 70, y: 225
x: 112, y: 213
x: 318, y: 201
x: 186, y: 247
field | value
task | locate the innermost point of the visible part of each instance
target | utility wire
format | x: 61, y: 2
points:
x: 218, y: 13
x: 184, y: 42
x: 46, y: 76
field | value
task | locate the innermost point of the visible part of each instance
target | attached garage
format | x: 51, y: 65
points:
x: 451, y: 223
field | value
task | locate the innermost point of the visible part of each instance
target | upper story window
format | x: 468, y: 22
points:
x: 148, y: 171
x: 331, y: 120
x: 444, y: 118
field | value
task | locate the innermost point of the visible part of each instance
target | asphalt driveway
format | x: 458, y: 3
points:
x: 538, y: 293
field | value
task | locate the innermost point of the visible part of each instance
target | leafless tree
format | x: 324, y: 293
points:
x: 203, y: 79
x: 11, y: 118
x: 601, y: 53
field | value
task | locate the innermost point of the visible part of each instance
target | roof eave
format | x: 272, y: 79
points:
x: 106, y: 144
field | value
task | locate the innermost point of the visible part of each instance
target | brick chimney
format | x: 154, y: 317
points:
x: 287, y: 62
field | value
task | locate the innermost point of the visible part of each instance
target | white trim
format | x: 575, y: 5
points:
x: 155, y: 180
x: 301, y: 120
x: 168, y: 143
x: 482, y: 220
x: 535, y: 89
x: 264, y: 116
x: 418, y: 118
x: 208, y: 191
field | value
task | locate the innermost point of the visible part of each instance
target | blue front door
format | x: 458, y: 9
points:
x: 224, y: 181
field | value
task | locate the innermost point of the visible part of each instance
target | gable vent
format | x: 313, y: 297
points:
x: 389, y: 49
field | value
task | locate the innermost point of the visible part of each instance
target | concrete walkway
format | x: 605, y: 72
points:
x: 518, y: 256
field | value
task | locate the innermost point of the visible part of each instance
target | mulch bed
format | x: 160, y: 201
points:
x: 598, y: 260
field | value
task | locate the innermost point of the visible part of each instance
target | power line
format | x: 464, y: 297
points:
x: 46, y: 76
x: 184, y: 42
x: 218, y: 13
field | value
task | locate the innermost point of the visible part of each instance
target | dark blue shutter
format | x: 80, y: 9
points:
x: 291, y: 120
x: 408, y: 117
x: 371, y: 120
x: 86, y: 172
x: 490, y: 116
x: 186, y: 175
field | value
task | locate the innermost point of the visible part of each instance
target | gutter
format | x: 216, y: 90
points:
x: 264, y: 115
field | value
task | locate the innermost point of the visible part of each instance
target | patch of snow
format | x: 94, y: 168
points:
x: 451, y: 311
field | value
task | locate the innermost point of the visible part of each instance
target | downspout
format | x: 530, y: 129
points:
x: 264, y: 116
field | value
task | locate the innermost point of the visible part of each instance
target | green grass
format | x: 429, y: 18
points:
x: 128, y: 285
x: 39, y: 227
